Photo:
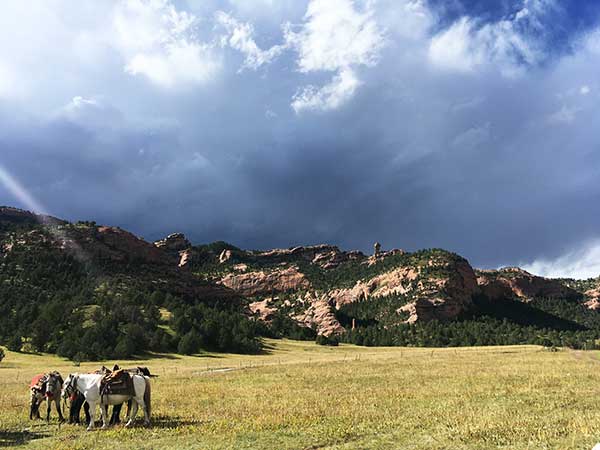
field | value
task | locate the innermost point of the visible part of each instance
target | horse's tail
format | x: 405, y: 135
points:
x: 148, y: 396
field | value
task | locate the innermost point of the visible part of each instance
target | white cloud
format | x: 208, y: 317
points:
x: 413, y: 19
x: 240, y: 36
x: 329, y: 97
x: 566, y: 115
x: 91, y: 113
x: 507, y: 44
x: 335, y: 37
x: 453, y: 49
x: 584, y: 90
x: 159, y: 42
x: 582, y: 263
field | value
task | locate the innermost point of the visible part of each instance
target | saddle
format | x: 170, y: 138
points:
x: 38, y: 384
x: 39, y: 380
x: 118, y: 382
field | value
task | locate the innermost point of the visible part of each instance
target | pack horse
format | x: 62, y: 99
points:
x: 119, y: 387
x: 45, y: 387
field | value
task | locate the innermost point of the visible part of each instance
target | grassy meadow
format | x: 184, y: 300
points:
x: 302, y: 396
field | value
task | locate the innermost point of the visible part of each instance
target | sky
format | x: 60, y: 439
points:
x: 467, y: 125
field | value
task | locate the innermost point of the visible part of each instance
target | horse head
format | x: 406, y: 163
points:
x: 69, y: 386
x: 54, y: 386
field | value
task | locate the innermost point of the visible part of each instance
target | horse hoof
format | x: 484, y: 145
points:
x: 89, y: 429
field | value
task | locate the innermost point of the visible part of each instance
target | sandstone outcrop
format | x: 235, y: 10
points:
x: 263, y: 310
x: 173, y: 243
x: 515, y: 282
x: 185, y: 258
x: 320, y: 316
x: 593, y: 296
x: 593, y: 304
x: 225, y: 256
x: 436, y: 297
x: 325, y: 256
x: 381, y: 255
x: 263, y: 283
x: 177, y: 246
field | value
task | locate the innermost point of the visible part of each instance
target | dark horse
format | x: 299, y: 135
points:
x: 45, y: 387
x: 78, y: 400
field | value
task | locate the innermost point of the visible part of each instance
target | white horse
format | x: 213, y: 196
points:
x: 89, y: 386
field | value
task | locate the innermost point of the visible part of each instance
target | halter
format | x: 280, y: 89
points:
x: 71, y: 387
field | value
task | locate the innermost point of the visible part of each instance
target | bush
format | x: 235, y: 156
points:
x: 324, y: 340
x: 14, y: 343
x: 189, y: 343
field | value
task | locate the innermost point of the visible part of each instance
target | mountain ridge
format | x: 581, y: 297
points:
x: 308, y: 291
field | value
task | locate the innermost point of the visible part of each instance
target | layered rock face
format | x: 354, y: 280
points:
x: 515, y: 282
x: 325, y: 256
x: 440, y: 297
x: 320, y: 316
x: 441, y: 288
x: 447, y: 298
x: 593, y: 299
x: 262, y: 283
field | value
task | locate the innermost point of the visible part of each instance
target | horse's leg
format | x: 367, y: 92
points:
x: 146, y: 414
x: 141, y: 402
x: 32, y: 408
x: 86, y: 410
x: 92, y: 416
x: 133, y: 414
x: 103, y: 413
x: 49, y: 402
x: 115, y: 418
x: 57, y: 401
x: 75, y: 409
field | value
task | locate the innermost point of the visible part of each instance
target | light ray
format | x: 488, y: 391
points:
x: 28, y: 200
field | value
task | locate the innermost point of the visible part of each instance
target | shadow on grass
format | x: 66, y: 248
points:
x: 172, y: 422
x: 152, y: 355
x: 14, y: 438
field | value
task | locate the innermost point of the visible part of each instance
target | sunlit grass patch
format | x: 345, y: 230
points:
x: 300, y: 395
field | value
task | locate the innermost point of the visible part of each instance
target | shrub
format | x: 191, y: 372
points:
x: 14, y: 343
x: 324, y: 340
x: 189, y: 343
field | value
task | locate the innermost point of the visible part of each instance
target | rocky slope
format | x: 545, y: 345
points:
x: 516, y: 282
x: 310, y: 285
x: 114, y: 256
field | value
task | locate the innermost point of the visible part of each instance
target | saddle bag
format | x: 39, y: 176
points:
x: 118, y: 382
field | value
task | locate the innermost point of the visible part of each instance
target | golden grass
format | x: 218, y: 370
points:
x: 302, y: 396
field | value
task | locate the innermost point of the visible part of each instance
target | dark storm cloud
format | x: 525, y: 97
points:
x: 485, y: 147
